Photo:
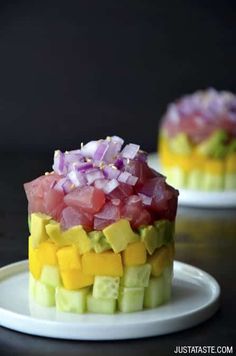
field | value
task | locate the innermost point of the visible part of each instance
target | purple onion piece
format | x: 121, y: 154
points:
x: 64, y: 185
x: 59, y: 163
x: 89, y: 149
x: 93, y: 174
x: 106, y: 185
x: 118, y: 140
x: 110, y: 186
x: 145, y: 199
x: 77, y: 178
x: 111, y: 172
x: 100, y: 151
x: 130, y: 151
x: 132, y: 180
x: 119, y: 163
x: 111, y: 152
x: 83, y: 166
x: 123, y: 177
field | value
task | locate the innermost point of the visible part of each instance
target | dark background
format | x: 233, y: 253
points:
x: 71, y: 71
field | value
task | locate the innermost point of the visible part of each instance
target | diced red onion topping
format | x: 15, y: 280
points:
x: 100, y: 151
x: 89, y: 149
x: 130, y: 151
x: 93, y: 174
x: 77, y: 178
x: 59, y: 163
x: 101, y: 163
x: 111, y: 172
x: 106, y: 185
x: 145, y: 199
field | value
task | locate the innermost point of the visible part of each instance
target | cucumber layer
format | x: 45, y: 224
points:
x: 136, y: 276
x: 44, y: 295
x: 100, y: 305
x: 50, y: 276
x: 130, y: 299
x: 70, y: 300
x: 200, y: 180
x: 106, y: 287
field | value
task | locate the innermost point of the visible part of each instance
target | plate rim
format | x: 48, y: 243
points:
x: 201, y: 313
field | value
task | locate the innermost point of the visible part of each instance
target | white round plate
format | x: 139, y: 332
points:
x: 196, y: 198
x: 195, y: 298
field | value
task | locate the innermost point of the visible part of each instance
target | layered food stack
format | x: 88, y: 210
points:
x: 197, y: 143
x: 101, y: 231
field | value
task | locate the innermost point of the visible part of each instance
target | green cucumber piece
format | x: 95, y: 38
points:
x: 106, y: 287
x: 71, y: 300
x: 50, y: 275
x: 44, y: 295
x: 168, y: 277
x: 230, y: 181
x: 176, y: 176
x: 154, y: 293
x: 100, y: 305
x: 32, y: 282
x: 136, y: 276
x: 159, y: 289
x: 130, y: 299
x: 194, y: 180
x: 213, y: 182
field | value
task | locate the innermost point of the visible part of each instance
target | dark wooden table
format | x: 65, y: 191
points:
x: 205, y: 238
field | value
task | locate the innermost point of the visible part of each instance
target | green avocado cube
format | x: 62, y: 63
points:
x: 99, y: 242
x: 214, y: 145
x: 152, y: 237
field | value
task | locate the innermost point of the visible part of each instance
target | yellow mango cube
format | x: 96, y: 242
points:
x: 75, y: 235
x: 68, y: 258
x: 135, y: 254
x: 38, y: 222
x: 231, y: 163
x: 159, y: 260
x: 119, y: 234
x: 47, y: 253
x: 75, y: 279
x: 102, y: 264
x: 215, y: 166
x: 35, y: 266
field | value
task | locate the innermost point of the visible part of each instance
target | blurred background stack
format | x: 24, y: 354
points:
x: 73, y: 71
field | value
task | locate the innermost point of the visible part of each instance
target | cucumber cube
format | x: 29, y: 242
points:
x: 130, y: 299
x: 136, y: 276
x: 230, y: 181
x: 100, y: 305
x: 50, y: 276
x: 176, y: 176
x: 168, y: 276
x: 32, y: 282
x: 213, y: 182
x: 154, y: 293
x: 159, y: 289
x: 106, y: 287
x: 71, y: 300
x: 44, y: 295
x: 195, y: 179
